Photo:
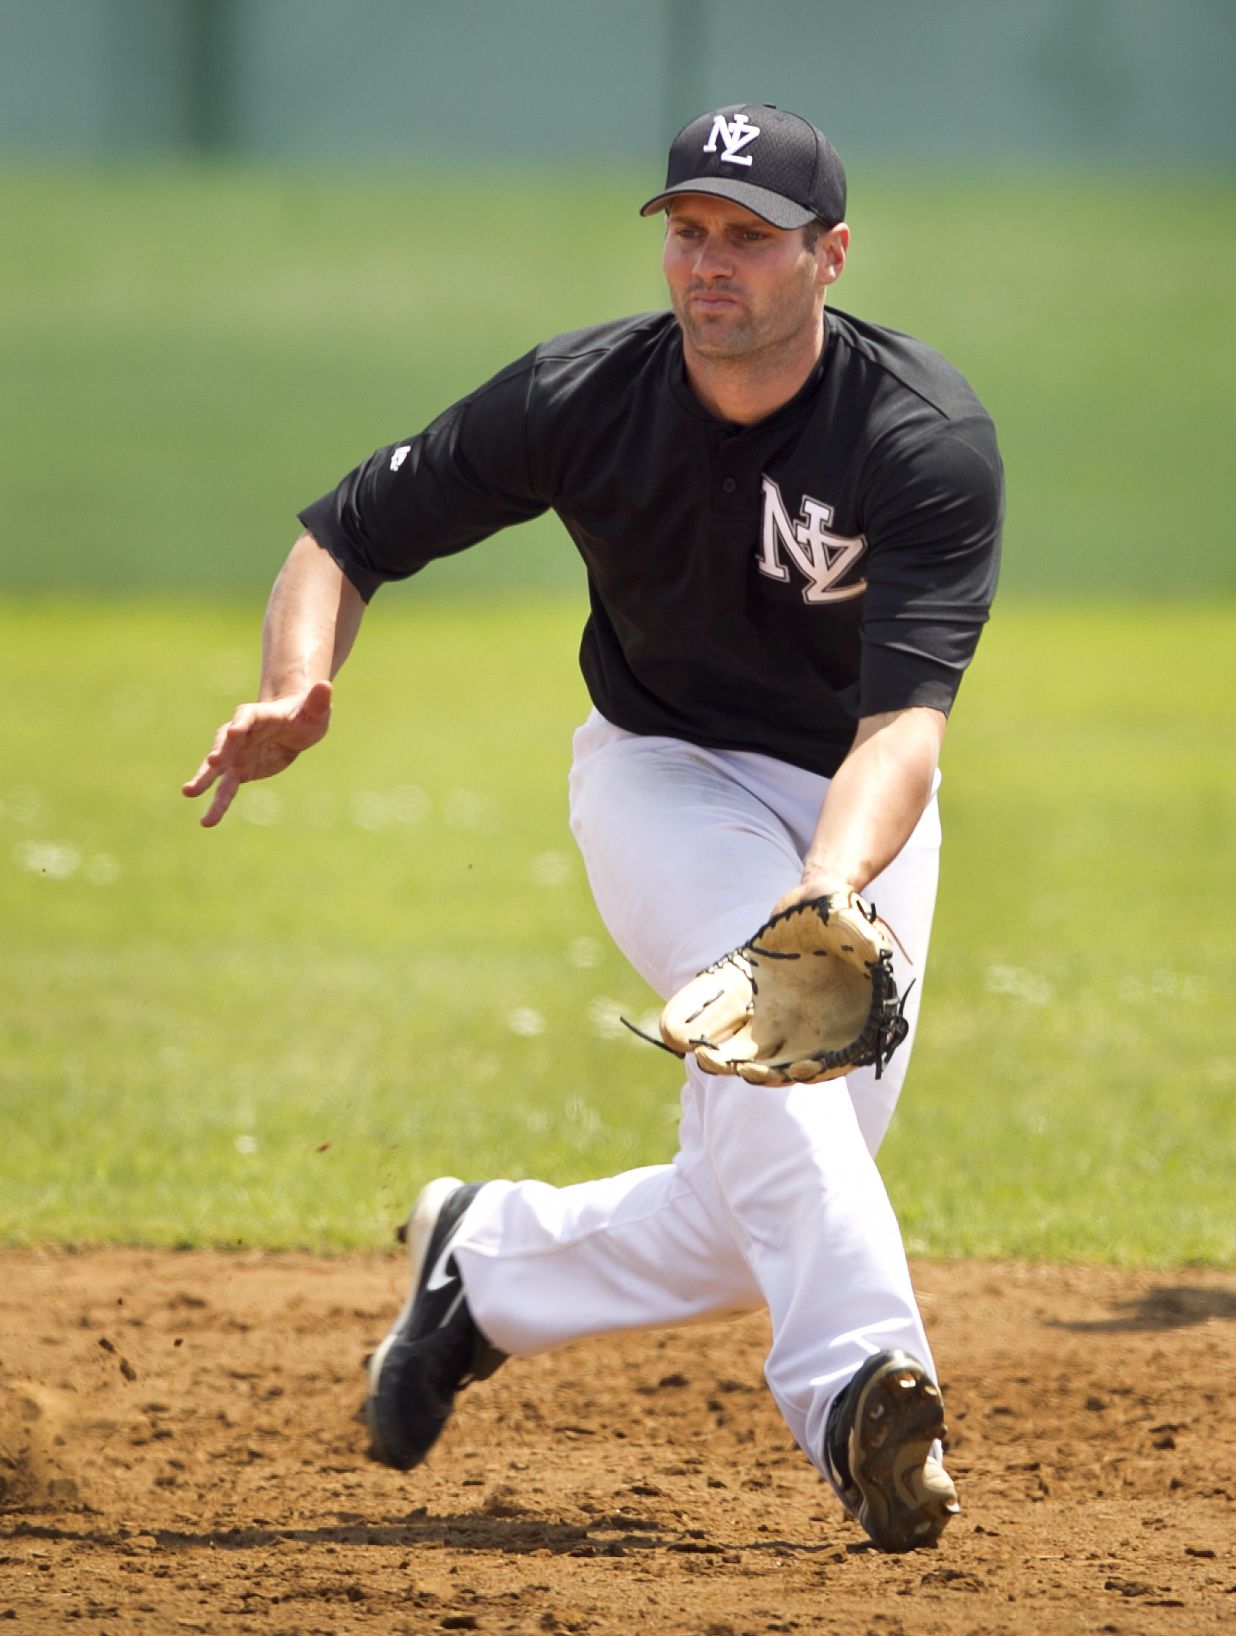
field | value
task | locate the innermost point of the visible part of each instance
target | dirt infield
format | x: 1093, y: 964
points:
x: 179, y: 1451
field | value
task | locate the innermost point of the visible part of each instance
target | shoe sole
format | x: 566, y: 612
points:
x: 416, y: 1233
x: 898, y: 1417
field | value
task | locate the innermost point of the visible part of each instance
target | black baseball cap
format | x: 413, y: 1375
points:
x: 772, y: 162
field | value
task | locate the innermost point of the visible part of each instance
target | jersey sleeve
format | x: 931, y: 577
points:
x: 464, y: 477
x: 933, y: 522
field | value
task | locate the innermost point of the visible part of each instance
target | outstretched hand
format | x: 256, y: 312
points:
x: 259, y: 741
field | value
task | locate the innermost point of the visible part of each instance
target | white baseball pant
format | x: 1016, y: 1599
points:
x: 773, y: 1198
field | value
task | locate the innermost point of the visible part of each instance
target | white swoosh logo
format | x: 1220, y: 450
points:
x: 439, y: 1277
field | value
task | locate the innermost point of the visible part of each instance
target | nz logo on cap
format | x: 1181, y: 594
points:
x: 735, y: 134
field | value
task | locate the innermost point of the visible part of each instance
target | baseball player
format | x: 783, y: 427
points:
x: 790, y: 521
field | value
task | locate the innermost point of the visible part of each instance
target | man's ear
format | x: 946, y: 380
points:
x: 831, y: 250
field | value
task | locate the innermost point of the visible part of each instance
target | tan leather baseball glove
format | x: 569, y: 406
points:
x: 808, y: 997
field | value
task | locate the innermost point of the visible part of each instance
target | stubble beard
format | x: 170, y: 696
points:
x: 739, y: 339
x: 732, y: 342
x: 722, y: 337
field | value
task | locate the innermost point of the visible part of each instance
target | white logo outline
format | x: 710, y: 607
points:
x: 400, y: 455
x: 819, y: 554
x: 735, y: 134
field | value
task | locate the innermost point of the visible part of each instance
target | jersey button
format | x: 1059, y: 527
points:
x: 728, y: 485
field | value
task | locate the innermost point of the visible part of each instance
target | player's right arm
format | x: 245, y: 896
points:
x: 311, y: 621
x: 461, y: 479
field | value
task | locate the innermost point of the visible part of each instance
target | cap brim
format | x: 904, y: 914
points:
x: 771, y: 207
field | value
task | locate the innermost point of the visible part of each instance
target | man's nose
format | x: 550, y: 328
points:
x: 713, y: 259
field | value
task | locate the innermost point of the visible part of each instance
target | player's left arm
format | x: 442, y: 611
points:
x: 874, y: 800
x: 933, y: 520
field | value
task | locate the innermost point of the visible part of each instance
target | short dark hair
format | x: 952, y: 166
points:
x: 812, y: 231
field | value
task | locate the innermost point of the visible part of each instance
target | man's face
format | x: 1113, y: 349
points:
x: 740, y: 286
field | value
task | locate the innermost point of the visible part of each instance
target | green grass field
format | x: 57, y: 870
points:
x: 387, y: 963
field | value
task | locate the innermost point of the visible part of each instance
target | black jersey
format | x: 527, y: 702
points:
x: 752, y: 587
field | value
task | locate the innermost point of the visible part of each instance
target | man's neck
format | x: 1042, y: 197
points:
x: 744, y: 390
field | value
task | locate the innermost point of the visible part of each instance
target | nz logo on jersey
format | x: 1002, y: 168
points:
x: 824, y: 558
x: 735, y: 134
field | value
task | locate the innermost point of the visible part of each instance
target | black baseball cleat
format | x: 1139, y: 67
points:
x: 880, y: 1437
x: 434, y: 1347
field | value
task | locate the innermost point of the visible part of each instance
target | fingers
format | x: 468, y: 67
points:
x: 221, y: 751
x: 224, y: 795
x: 201, y: 781
x: 207, y: 772
x: 260, y: 740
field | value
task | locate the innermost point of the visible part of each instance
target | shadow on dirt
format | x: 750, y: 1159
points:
x: 1170, y: 1306
x: 610, y: 1536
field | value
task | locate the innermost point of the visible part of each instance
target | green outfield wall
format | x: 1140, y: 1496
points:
x: 1147, y: 81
